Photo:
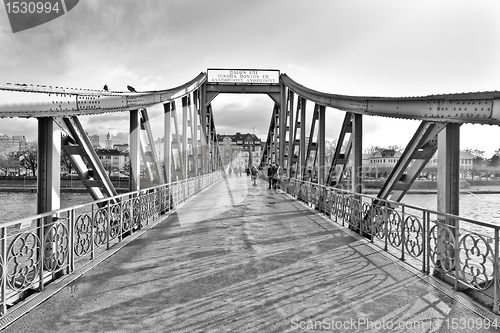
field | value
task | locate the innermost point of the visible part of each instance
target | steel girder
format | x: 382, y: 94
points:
x: 48, y: 165
x: 150, y: 157
x: 480, y: 108
x: 418, y: 152
x: 88, y: 101
x: 178, y: 165
x: 294, y: 159
x: 312, y: 146
x: 341, y: 158
x: 269, y: 147
x: 193, y: 123
x: 77, y: 146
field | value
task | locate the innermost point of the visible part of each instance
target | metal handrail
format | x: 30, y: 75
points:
x: 434, y: 242
x: 40, y: 249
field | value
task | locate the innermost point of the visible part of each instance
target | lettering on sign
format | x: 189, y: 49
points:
x: 141, y: 100
x: 243, y: 76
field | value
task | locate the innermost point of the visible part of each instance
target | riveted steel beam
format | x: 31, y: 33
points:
x: 194, y: 114
x: 448, y: 170
x: 282, y: 121
x: 185, y: 152
x: 178, y: 165
x: 415, y: 157
x: 167, y: 144
x: 134, y: 151
x: 340, y: 159
x: 92, y: 173
x: 321, y: 145
x: 155, y: 168
x: 481, y: 108
x: 357, y: 160
x: 88, y: 101
x: 312, y: 146
x: 48, y: 172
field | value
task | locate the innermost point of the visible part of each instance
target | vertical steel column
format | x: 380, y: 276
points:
x: 49, y: 189
x: 282, y: 128
x: 194, y: 129
x: 448, y: 190
x: 291, y: 132
x: 135, y: 152
x: 302, y: 152
x: 151, y: 142
x: 357, y: 158
x: 49, y: 166
x: 203, y: 132
x: 167, y: 142
x: 209, y: 140
x: 321, y: 145
x: 185, y: 159
x: 448, y: 169
x: 275, y: 131
x: 177, y: 139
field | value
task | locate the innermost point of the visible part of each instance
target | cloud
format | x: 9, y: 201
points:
x: 299, y: 68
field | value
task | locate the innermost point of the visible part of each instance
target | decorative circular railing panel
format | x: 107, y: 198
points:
x: 56, y: 246
x: 476, y: 261
x: 83, y: 234
x: 100, y: 226
x: 414, y: 236
x: 394, y: 227
x: 442, y: 247
x: 23, y: 261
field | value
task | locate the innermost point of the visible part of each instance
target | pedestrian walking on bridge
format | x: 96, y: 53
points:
x: 255, y: 173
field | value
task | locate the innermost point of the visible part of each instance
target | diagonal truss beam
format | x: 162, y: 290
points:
x: 415, y: 157
x: 342, y: 151
x: 295, y: 159
x: 312, y: 145
x: 150, y: 157
x: 84, y: 159
x: 269, y: 147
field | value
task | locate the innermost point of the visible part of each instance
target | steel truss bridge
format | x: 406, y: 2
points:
x: 32, y: 255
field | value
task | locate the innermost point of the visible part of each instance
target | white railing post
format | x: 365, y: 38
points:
x: 42, y: 227
x: 92, y: 234
x: 424, y: 241
x: 457, y: 253
x: 4, y: 270
x: 403, y: 236
x: 496, y: 273
x: 108, y: 222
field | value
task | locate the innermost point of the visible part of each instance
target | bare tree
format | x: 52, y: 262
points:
x: 28, y: 159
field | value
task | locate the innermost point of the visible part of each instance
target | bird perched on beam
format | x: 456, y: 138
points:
x: 131, y: 89
x: 105, y: 87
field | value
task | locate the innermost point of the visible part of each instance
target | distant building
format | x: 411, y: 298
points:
x: 109, y: 142
x: 240, y: 150
x: 121, y: 146
x: 387, y: 159
x: 113, y: 159
x: 11, y: 144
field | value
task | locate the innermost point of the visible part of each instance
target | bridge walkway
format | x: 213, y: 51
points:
x: 243, y: 258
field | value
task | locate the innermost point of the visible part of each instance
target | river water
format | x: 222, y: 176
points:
x: 482, y: 207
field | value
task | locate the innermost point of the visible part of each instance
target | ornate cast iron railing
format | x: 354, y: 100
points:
x: 42, y: 248
x: 461, y: 251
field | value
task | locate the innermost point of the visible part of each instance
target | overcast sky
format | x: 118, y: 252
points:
x: 355, y: 47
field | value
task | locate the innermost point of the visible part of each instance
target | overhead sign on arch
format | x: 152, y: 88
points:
x: 244, y: 76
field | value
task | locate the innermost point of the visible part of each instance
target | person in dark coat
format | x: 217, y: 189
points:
x: 270, y: 174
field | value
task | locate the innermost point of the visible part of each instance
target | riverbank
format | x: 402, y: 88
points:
x: 32, y: 189
x: 494, y: 189
x: 482, y: 189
